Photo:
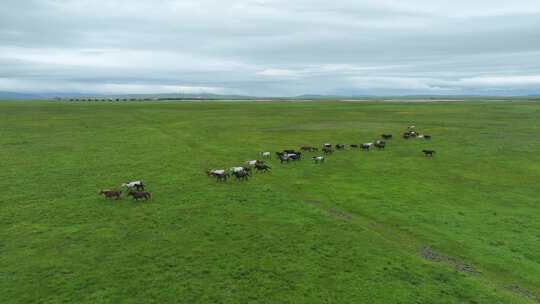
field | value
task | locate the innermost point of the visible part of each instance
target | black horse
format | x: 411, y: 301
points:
x: 241, y: 175
x: 262, y: 167
x: 428, y: 153
x: 386, y: 136
x: 354, y: 146
x: 340, y: 147
x: 366, y: 147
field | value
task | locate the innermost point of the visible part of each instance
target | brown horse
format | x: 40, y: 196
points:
x: 139, y: 195
x: 111, y: 193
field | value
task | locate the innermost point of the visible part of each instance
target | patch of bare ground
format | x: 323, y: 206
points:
x: 524, y: 293
x: 340, y: 214
x: 430, y: 254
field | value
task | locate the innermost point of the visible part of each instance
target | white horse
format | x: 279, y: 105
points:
x: 139, y: 185
x: 318, y: 159
x: 327, y: 145
x: 252, y: 162
x: 266, y: 154
x: 237, y: 169
x: 217, y: 172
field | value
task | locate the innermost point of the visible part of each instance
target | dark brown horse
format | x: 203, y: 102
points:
x: 327, y: 150
x: 428, y: 153
x: 380, y: 145
x: 308, y: 149
x: 111, y: 193
x: 140, y: 195
x: 262, y: 167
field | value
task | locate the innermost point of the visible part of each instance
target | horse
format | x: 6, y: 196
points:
x: 111, y: 193
x: 283, y: 158
x: 266, y: 154
x: 214, y: 172
x: 253, y: 162
x: 354, y: 146
x: 327, y: 150
x: 386, y: 136
x: 327, y: 146
x: 290, y: 151
x: 262, y: 167
x: 236, y: 169
x: 137, y: 185
x: 380, y: 145
x: 241, y: 175
x: 140, y: 195
x: 308, y: 149
x: 318, y: 159
x: 295, y: 156
x: 340, y: 147
x: 366, y: 147
x: 428, y: 153
x: 220, y: 175
x: 427, y: 137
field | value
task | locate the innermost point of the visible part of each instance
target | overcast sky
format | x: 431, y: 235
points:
x: 271, y: 47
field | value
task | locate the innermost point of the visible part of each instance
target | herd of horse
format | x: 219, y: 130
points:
x: 243, y: 173
x: 136, y: 189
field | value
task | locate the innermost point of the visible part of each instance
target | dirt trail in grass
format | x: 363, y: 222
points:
x: 410, y: 245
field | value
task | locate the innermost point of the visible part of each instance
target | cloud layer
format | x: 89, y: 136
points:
x: 271, y: 47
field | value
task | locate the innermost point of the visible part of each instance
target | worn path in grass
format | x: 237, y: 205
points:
x: 376, y: 227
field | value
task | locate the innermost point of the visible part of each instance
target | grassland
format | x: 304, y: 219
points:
x: 375, y: 227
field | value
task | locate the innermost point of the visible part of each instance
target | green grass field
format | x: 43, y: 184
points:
x: 365, y: 227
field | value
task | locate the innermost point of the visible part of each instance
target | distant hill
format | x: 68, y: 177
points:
x: 16, y: 96
x: 209, y: 96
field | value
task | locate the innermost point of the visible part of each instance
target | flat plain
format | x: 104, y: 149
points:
x: 386, y: 226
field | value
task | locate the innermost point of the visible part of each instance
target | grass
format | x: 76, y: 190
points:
x: 353, y: 230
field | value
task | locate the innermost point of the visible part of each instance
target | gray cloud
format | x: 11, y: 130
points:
x: 271, y: 47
